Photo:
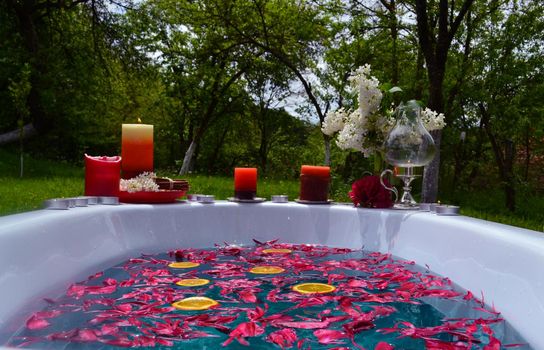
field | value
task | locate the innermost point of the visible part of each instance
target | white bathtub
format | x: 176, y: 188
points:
x: 44, y: 251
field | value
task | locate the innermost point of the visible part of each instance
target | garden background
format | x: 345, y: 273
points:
x: 247, y: 83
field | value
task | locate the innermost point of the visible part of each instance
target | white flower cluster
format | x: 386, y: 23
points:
x: 370, y: 95
x: 355, y: 126
x: 334, y: 121
x: 432, y: 120
x: 365, y: 129
x: 143, y: 182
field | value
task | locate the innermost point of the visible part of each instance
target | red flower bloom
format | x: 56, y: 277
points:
x: 368, y: 192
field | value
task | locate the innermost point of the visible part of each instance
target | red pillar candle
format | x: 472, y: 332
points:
x: 314, y: 183
x: 136, y: 149
x: 102, y: 176
x: 245, y: 183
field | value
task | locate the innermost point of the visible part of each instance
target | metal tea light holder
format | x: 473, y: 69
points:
x: 408, y: 146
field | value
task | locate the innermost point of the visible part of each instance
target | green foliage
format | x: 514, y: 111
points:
x: 227, y: 75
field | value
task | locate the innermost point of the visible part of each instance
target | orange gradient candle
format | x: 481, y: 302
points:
x: 314, y: 183
x: 136, y: 149
x: 245, y: 183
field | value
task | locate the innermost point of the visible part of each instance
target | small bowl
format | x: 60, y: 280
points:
x: 193, y: 197
x: 80, y: 201
x: 424, y: 206
x: 206, y: 198
x: 57, y: 204
x: 108, y: 200
x: 280, y: 198
x: 91, y: 200
x: 447, y: 210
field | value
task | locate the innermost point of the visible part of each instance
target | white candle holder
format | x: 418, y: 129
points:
x: 57, y: 204
x: 447, y: 210
x: 108, y: 200
x: 206, y: 198
x: 280, y: 198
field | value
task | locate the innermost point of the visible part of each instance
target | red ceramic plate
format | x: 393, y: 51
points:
x: 162, y: 196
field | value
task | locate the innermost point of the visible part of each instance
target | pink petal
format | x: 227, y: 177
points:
x: 284, y: 337
x: 247, y: 296
x: 383, y: 346
x: 246, y: 329
x: 86, y: 335
x: 36, y: 323
x: 329, y: 336
x: 303, y: 325
x: 48, y: 314
x: 494, y: 344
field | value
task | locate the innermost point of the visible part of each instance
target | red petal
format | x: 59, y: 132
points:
x: 284, y: 337
x: 303, y: 325
x: 36, y: 323
x: 247, y: 296
x: 86, y: 335
x: 383, y: 346
x: 329, y: 336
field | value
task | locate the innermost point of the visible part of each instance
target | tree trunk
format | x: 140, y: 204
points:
x: 504, y: 159
x: 393, y: 26
x: 435, y: 39
x: 509, y: 178
x: 460, y: 163
x: 217, y: 149
x: 432, y: 170
x: 188, y: 158
x: 327, y: 142
x: 418, y: 79
x: 429, y: 193
x: 527, y: 152
x: 12, y: 136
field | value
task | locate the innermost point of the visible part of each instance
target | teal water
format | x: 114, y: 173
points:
x: 380, y: 302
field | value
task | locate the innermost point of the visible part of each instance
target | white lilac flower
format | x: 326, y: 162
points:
x: 370, y: 96
x: 143, y: 182
x: 385, y: 123
x: 334, y: 121
x: 351, y: 137
x: 432, y: 120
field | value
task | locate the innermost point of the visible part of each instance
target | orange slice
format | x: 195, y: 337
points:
x: 183, y: 264
x: 277, y: 251
x: 313, y: 288
x: 195, y: 303
x: 192, y: 282
x: 265, y: 270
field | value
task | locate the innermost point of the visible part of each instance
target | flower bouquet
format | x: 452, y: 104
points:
x: 366, y: 127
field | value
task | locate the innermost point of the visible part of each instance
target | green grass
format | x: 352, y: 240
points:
x: 45, y: 179
x: 41, y: 180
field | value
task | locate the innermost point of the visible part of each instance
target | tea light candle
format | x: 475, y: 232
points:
x: 108, y: 200
x: 280, y: 198
x: 102, y: 175
x: 425, y: 206
x: 245, y: 183
x: 136, y: 149
x: 314, y: 183
x: 57, y: 203
x: 447, y: 210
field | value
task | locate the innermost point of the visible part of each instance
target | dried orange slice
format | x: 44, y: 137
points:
x: 183, y: 264
x: 192, y: 282
x: 195, y: 303
x: 313, y: 288
x: 265, y: 270
x: 277, y: 251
